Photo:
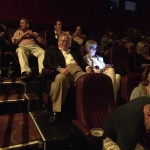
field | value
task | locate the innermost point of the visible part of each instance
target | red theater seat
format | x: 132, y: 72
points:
x: 94, y: 102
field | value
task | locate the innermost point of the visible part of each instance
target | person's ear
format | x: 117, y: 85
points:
x: 147, y: 111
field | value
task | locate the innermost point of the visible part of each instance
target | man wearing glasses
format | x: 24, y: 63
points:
x: 69, y: 65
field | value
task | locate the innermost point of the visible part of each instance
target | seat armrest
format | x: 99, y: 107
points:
x: 84, y: 133
x: 85, y: 130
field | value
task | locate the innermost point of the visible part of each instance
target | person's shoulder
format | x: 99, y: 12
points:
x: 18, y: 31
x: 49, y: 31
x: 136, y: 90
x: 85, y: 56
x: 142, y: 100
x: 99, y: 57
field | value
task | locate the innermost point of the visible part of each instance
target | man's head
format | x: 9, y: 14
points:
x: 57, y: 25
x: 24, y: 24
x: 147, y: 116
x: 64, y: 41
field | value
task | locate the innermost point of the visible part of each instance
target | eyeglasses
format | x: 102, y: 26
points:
x: 63, y: 41
x: 93, y: 48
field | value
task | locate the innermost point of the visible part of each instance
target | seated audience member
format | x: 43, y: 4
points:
x: 127, y: 126
x: 133, y: 34
x: 98, y: 65
x: 128, y: 43
x: 52, y: 35
x: 69, y: 65
x: 5, y: 42
x: 143, y: 89
x: 107, y: 41
x: 142, y: 57
x: 131, y: 50
x: 78, y: 37
x: 28, y: 43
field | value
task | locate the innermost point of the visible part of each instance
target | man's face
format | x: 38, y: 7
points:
x: 147, y: 116
x: 58, y: 25
x: 64, y: 42
x: 23, y: 25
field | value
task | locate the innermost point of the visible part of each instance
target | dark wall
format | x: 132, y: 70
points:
x: 93, y: 16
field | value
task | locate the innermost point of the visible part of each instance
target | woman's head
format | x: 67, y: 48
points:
x: 91, y: 47
x: 146, y: 76
x: 78, y: 30
x: 142, y: 47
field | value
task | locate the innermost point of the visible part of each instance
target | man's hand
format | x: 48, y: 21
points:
x: 107, y: 66
x: 89, y: 70
x: 64, y: 71
x: 29, y: 33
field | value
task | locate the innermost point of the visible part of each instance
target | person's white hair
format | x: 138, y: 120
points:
x: 89, y: 44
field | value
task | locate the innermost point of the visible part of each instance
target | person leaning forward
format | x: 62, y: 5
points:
x: 69, y: 66
x: 126, y: 127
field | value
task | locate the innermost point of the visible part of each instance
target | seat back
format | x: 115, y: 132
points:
x: 118, y: 56
x: 128, y: 83
x: 94, y: 99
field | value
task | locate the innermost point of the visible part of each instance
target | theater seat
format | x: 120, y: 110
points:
x: 119, y: 57
x: 128, y: 82
x: 94, y: 102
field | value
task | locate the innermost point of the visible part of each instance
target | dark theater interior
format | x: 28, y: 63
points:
x: 26, y: 104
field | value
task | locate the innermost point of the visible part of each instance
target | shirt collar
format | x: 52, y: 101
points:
x: 68, y: 51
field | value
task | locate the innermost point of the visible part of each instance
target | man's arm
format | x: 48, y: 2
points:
x: 17, y: 38
x: 40, y: 41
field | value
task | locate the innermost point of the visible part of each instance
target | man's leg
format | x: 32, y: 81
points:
x: 111, y: 73
x: 75, y: 71
x: 23, y: 54
x: 118, y: 79
x: 59, y: 89
x: 39, y: 53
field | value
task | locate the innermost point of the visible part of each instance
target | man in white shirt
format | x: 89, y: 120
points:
x: 69, y: 65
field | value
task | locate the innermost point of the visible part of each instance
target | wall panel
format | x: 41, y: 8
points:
x: 91, y: 15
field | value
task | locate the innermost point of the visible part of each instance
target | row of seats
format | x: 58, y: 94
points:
x: 94, y: 104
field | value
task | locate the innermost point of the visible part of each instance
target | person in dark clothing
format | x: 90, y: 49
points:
x: 68, y: 65
x: 128, y: 124
x: 142, y: 57
x: 53, y: 35
x: 5, y: 42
